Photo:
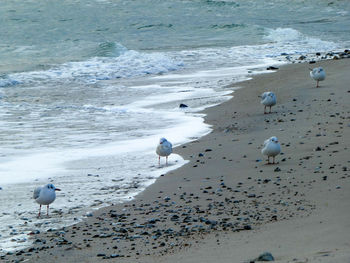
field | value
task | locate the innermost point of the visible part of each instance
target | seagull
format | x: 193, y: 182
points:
x: 45, y: 195
x: 271, y: 148
x: 318, y: 74
x: 268, y: 99
x: 164, y: 148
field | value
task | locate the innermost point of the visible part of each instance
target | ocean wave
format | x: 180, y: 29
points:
x: 292, y: 41
x: 127, y: 63
x: 6, y: 81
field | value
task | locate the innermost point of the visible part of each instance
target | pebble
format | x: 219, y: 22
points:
x: 266, y: 256
x: 183, y: 105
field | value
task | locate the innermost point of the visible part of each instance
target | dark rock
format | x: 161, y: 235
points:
x: 208, y: 150
x: 277, y: 169
x: 183, y: 105
x: 318, y: 148
x: 271, y: 68
x: 247, y: 227
x: 267, y: 256
x: 174, y: 218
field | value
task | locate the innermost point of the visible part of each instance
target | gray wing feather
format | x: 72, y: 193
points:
x: 36, y: 192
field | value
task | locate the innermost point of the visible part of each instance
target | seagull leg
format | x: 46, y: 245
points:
x: 270, y: 109
x: 268, y: 159
x: 39, y: 211
x: 166, y: 160
x: 317, y: 86
x: 264, y: 109
x: 159, y: 160
x: 273, y: 159
x: 47, y: 213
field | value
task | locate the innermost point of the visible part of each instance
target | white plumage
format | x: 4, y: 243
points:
x: 318, y: 74
x: 271, y: 148
x: 268, y: 99
x: 164, y: 149
x: 45, y: 195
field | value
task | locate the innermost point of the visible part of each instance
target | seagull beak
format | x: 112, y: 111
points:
x: 57, y: 189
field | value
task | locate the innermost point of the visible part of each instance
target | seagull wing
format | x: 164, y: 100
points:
x: 36, y: 193
x: 266, y: 142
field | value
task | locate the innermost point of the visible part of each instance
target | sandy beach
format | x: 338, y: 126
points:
x: 226, y: 204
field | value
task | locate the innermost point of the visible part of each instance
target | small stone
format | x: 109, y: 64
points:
x: 247, y: 227
x: 183, y: 105
x: 277, y: 169
x: 266, y: 256
x: 318, y: 148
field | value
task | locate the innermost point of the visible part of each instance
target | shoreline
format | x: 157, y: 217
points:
x: 226, y: 188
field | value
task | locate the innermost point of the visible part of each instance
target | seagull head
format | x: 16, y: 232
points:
x: 274, y: 139
x: 52, y: 187
x: 162, y: 140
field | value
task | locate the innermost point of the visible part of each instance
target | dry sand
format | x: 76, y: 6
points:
x: 226, y: 204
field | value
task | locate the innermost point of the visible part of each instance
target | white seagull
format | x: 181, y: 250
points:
x: 164, y: 148
x: 268, y: 99
x: 271, y: 148
x: 45, y: 195
x: 318, y: 74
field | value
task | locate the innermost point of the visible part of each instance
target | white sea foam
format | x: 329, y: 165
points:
x: 129, y: 63
x: 291, y: 41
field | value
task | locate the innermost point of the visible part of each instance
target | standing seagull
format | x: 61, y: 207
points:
x: 45, y: 195
x: 271, y: 148
x: 318, y: 74
x: 268, y: 99
x: 164, y: 148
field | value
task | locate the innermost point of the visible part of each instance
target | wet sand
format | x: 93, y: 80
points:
x: 226, y: 204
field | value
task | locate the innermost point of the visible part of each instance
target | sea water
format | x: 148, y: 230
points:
x: 87, y: 88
